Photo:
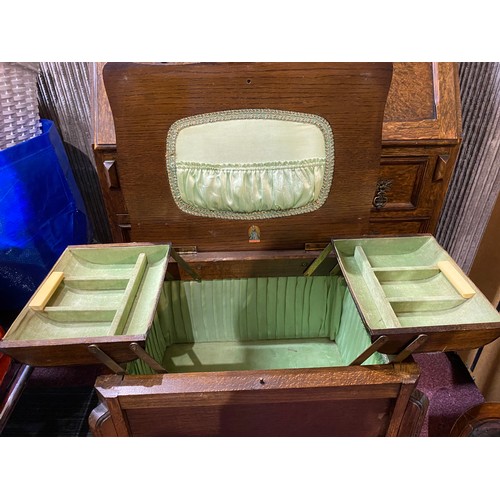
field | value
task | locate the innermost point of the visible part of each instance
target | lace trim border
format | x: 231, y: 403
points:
x: 249, y: 167
x: 250, y: 114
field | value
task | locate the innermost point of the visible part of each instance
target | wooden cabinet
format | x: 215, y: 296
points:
x: 420, y: 143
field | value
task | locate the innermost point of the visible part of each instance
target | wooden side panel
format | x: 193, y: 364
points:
x: 102, y: 118
x: 424, y: 104
x: 70, y: 351
x: 416, y: 89
x: 350, y: 401
x: 388, y: 226
x: 116, y: 208
x: 411, y: 189
x: 440, y: 338
x: 413, y: 94
x: 405, y: 175
x: 315, y: 418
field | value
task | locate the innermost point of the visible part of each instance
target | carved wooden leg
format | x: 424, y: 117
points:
x: 414, y: 415
x: 100, y: 422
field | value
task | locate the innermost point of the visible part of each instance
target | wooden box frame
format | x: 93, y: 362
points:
x: 356, y: 400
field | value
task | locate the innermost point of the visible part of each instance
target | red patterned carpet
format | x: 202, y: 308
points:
x: 450, y: 389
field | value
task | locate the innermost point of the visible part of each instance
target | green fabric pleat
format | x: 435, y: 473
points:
x: 262, y: 307
x: 250, y: 187
x: 335, y: 300
x: 298, y: 308
x: 289, y: 312
x: 280, y: 309
x: 158, y: 339
x: 352, y: 338
x: 257, y: 309
x: 272, y: 303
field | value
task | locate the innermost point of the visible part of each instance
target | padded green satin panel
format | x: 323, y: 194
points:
x: 250, y: 136
x: 252, y: 187
x: 250, y: 163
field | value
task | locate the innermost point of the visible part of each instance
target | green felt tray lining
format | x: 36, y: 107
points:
x: 105, y: 292
x: 397, y: 283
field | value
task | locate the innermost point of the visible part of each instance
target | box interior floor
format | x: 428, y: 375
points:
x: 255, y: 323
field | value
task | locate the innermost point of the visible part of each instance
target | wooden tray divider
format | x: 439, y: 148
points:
x: 46, y: 290
x: 384, y: 307
x: 422, y: 304
x: 455, y: 277
x: 92, y: 283
x: 72, y: 314
x: 405, y: 273
x: 123, y: 311
x: 94, y: 314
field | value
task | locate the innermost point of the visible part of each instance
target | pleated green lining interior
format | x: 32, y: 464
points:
x: 256, y: 323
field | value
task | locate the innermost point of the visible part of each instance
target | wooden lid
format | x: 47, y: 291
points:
x: 146, y: 99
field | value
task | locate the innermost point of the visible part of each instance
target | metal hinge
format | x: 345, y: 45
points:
x: 187, y: 249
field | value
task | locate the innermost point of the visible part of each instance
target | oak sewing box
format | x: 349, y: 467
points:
x: 253, y: 300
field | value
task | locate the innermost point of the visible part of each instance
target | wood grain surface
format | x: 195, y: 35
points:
x: 420, y: 142
x: 417, y: 89
x: 483, y: 418
x: 349, y: 401
x: 147, y: 99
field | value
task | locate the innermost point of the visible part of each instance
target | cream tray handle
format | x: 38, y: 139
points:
x: 456, y: 279
x: 49, y: 286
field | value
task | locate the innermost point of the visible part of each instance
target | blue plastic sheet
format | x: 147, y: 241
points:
x: 41, y: 213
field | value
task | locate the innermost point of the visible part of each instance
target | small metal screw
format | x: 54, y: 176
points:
x: 262, y: 381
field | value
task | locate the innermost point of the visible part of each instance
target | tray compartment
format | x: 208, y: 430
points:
x: 106, y: 292
x: 407, y: 286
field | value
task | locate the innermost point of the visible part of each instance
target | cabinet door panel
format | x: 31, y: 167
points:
x: 400, y: 183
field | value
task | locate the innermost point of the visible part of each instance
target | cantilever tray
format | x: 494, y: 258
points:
x: 409, y: 286
x: 96, y: 296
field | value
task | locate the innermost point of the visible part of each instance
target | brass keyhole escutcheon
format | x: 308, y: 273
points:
x: 380, y: 199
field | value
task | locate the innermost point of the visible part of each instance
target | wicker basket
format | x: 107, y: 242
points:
x: 19, y: 115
